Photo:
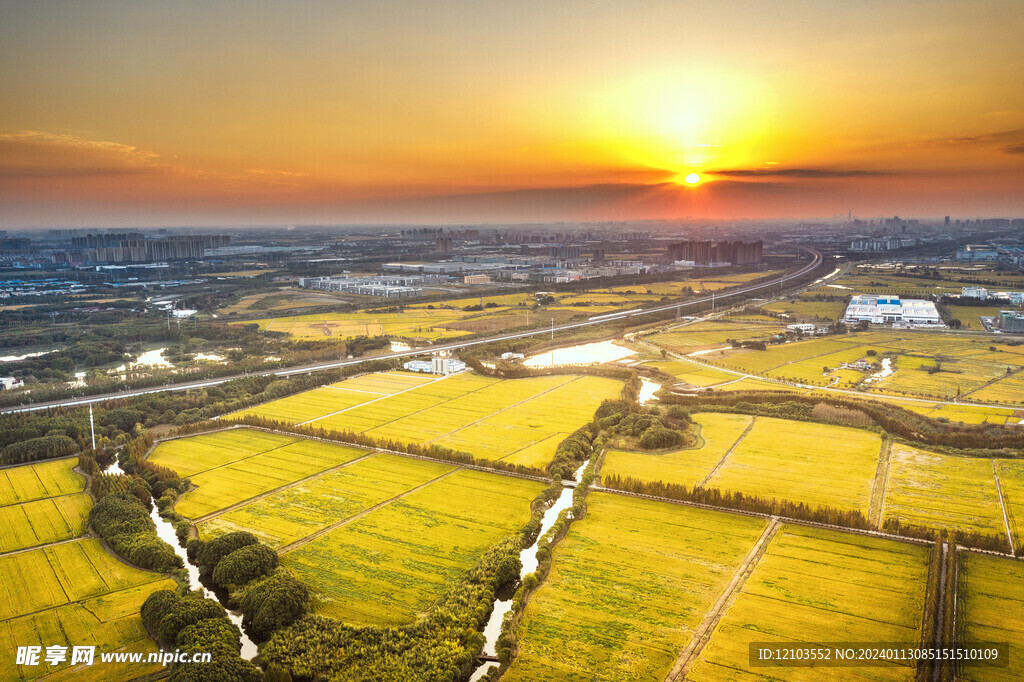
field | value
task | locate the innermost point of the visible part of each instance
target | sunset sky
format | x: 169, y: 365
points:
x: 150, y: 112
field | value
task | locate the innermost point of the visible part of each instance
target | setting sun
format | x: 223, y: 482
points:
x: 692, y: 179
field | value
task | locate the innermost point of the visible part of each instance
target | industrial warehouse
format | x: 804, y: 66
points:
x: 892, y: 310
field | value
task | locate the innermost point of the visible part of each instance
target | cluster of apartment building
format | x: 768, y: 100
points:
x: 133, y: 247
x: 716, y: 253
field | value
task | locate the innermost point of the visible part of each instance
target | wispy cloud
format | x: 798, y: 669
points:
x: 39, y: 154
x: 804, y: 173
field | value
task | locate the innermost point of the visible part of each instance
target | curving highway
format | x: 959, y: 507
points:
x: 599, y: 319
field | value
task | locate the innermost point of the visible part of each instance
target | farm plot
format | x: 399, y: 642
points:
x: 704, y: 335
x: 817, y: 464
x: 342, y: 395
x: 628, y: 585
x: 760, y: 362
x: 1011, y: 480
x: 41, y: 521
x: 522, y: 420
x: 692, y: 373
x: 228, y: 484
x: 389, y: 566
x: 39, y: 480
x: 189, y: 456
x: 1008, y: 391
x: 992, y: 599
x: 688, y: 467
x: 938, y: 491
x: 413, y: 323
x: 297, y: 512
x: 72, y: 594
x: 813, y: 585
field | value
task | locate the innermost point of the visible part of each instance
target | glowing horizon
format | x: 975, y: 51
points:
x: 140, y: 113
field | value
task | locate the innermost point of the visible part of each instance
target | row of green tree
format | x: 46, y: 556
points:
x: 42, y: 434
x: 996, y: 440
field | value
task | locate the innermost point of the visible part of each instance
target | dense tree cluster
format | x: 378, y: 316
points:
x: 273, y: 602
x: 646, y: 428
x: 124, y: 523
x: 35, y: 449
x: 193, y: 624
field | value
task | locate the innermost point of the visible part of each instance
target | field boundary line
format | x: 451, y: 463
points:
x: 1002, y: 506
x: 703, y: 633
x: 877, y: 506
x: 48, y: 497
x: 38, y: 461
x: 369, y: 402
x: 286, y: 486
x: 718, y: 465
x: 242, y: 459
x: 506, y: 409
x: 351, y: 390
x: 83, y: 536
x: 993, y: 381
x: 425, y: 458
x: 784, y: 519
x: 355, y: 517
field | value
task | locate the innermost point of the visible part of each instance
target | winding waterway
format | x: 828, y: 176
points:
x: 165, y: 531
x: 528, y: 558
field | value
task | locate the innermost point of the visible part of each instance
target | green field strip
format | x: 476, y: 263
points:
x: 942, y: 491
x: 355, y: 517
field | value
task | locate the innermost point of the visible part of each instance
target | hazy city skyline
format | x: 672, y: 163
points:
x: 148, y: 113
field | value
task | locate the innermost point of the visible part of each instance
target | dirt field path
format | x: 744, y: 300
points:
x: 689, y: 654
x: 1002, y: 505
x: 718, y: 465
x: 356, y: 517
x: 880, y: 485
x: 257, y: 498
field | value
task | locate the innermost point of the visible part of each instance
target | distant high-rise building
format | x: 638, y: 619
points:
x: 947, y: 221
x: 706, y: 252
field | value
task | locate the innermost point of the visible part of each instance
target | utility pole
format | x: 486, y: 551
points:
x: 552, y: 329
x: 92, y: 427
